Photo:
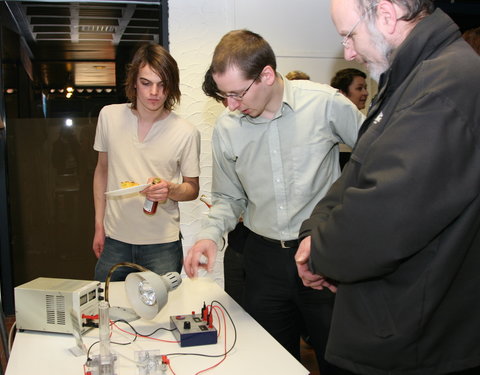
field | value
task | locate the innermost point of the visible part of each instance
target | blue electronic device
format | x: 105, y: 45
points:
x: 192, y: 330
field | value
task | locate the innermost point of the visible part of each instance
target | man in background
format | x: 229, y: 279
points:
x: 399, y: 233
x: 275, y: 153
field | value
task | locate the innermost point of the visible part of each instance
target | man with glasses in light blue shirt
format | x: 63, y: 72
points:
x: 275, y: 154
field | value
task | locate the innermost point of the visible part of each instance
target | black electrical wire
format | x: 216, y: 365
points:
x: 88, y: 351
x: 136, y: 334
x: 141, y: 334
x: 113, y: 342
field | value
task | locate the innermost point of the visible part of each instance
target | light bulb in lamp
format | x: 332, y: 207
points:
x: 148, y: 291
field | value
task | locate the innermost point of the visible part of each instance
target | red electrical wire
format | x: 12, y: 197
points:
x: 219, y: 330
x: 224, y: 342
x: 170, y: 367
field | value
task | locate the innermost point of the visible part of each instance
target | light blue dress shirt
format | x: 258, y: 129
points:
x: 274, y: 171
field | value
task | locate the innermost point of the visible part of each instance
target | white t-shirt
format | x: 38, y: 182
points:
x: 170, y: 150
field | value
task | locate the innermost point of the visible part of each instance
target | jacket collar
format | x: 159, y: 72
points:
x: 426, y: 39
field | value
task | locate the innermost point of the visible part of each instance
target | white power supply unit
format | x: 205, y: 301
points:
x: 52, y: 305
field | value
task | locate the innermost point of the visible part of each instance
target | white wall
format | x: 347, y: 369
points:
x: 301, y: 34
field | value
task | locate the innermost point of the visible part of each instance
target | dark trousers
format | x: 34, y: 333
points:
x: 234, y: 272
x: 277, y: 299
x: 233, y: 268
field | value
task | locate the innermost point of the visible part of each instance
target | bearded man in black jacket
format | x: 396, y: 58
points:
x: 398, y: 235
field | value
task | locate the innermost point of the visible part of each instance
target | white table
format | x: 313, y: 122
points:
x: 255, y: 352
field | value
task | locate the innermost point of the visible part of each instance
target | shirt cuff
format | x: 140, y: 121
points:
x: 214, y: 235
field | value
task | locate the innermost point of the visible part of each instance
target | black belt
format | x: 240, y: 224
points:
x: 283, y: 244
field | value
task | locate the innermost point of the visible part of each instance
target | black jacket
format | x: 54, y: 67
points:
x: 400, y: 229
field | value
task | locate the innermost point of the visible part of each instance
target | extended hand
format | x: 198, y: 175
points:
x: 193, y: 260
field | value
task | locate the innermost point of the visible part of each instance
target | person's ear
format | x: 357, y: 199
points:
x: 268, y: 75
x: 387, y: 16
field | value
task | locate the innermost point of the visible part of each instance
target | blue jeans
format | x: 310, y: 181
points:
x: 159, y: 258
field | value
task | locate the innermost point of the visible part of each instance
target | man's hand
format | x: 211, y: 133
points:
x: 98, y: 241
x: 193, y: 261
x: 308, y: 278
x: 157, y: 192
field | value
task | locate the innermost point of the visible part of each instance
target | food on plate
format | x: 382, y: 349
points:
x: 128, y: 184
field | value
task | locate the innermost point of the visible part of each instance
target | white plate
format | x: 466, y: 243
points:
x: 130, y: 190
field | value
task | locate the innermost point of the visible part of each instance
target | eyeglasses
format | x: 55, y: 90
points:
x: 347, y: 39
x: 239, y: 96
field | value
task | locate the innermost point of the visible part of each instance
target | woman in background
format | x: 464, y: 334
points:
x: 351, y: 83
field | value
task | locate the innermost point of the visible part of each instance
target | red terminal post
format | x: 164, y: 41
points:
x: 84, y: 316
x: 204, y: 312
x: 90, y: 320
x: 210, y: 321
x: 165, y: 363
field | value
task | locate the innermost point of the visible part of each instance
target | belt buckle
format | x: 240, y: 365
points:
x: 282, y: 242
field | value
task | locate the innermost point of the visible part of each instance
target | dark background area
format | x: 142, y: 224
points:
x: 47, y: 158
x: 466, y: 13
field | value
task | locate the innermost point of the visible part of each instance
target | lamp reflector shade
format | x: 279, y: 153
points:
x: 148, y: 291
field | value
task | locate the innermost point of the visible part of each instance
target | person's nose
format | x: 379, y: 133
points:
x: 155, y: 89
x: 349, y: 53
x: 232, y: 103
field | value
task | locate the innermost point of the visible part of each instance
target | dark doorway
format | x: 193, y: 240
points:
x: 61, y: 63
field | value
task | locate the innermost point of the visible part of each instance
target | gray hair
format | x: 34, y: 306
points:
x: 414, y: 9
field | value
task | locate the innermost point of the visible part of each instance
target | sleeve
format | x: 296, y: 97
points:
x: 100, y: 143
x: 345, y: 119
x: 406, y: 185
x: 228, y: 197
x: 190, y: 159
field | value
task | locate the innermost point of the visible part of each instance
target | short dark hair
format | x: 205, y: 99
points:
x: 245, y: 50
x: 162, y: 63
x: 209, y: 86
x: 344, y: 78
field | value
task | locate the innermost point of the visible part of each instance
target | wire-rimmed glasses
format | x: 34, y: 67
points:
x: 347, y: 39
x: 239, y: 96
